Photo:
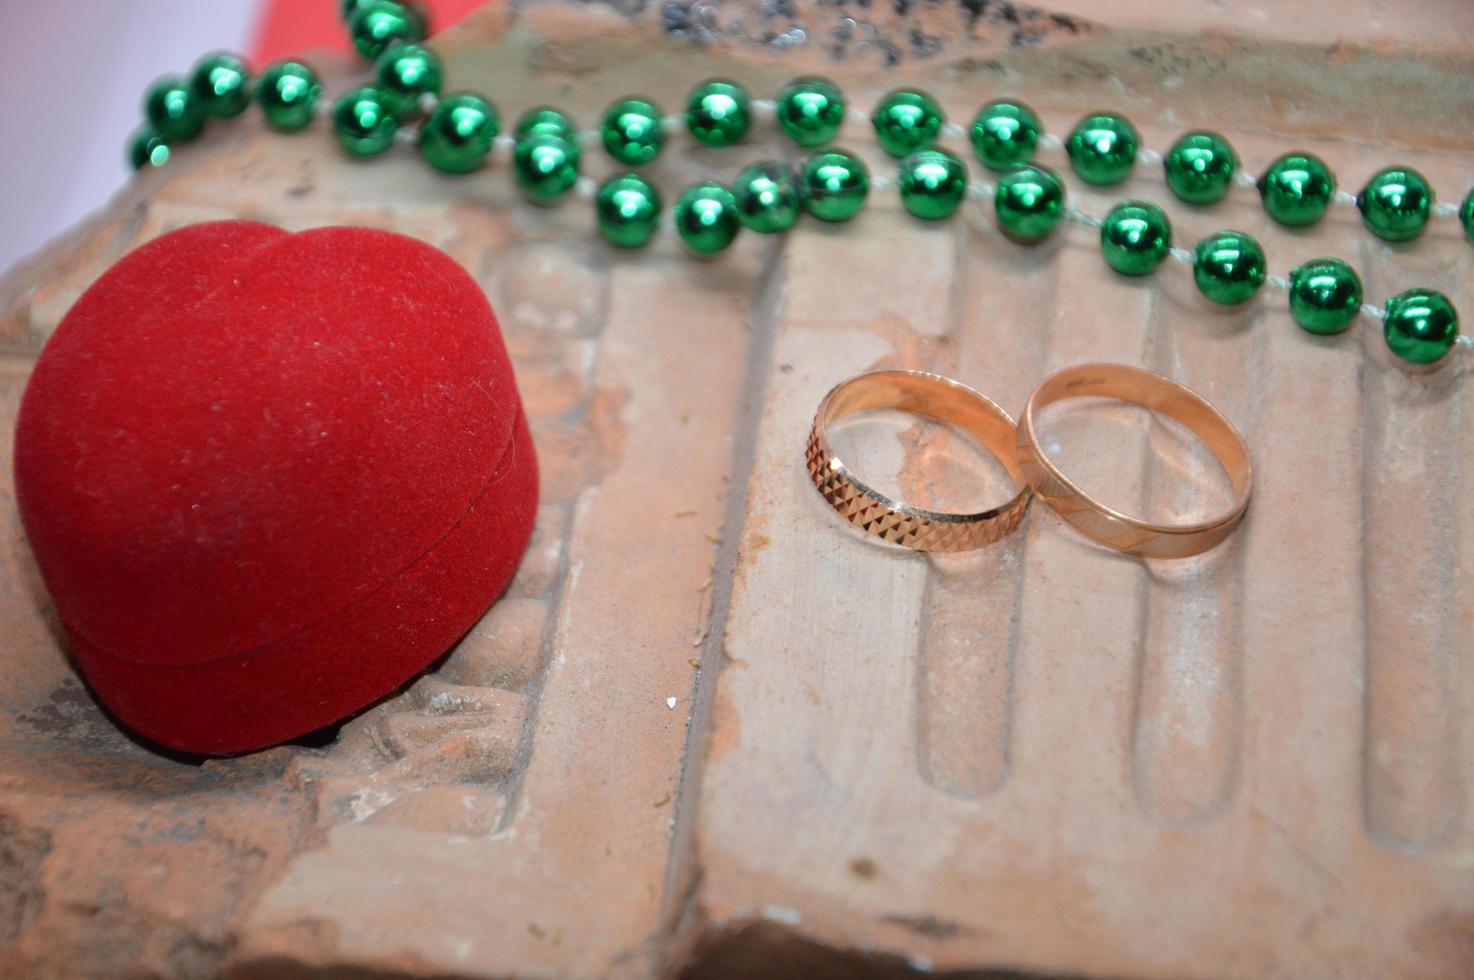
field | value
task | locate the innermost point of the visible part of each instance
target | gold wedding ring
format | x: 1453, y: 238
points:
x: 1151, y: 391
x: 937, y: 398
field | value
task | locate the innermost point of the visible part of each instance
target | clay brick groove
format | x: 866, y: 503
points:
x: 714, y: 732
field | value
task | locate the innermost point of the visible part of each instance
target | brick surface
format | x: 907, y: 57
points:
x: 712, y: 729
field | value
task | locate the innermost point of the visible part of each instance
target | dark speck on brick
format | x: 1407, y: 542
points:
x: 676, y: 16
x: 1019, y: 25
x: 924, y: 45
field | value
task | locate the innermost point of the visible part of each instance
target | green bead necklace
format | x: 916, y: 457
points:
x: 633, y: 132
x: 1325, y: 295
x: 364, y: 121
x: 834, y: 184
x: 907, y: 121
x: 545, y: 121
x: 287, y: 93
x: 1029, y: 202
x: 932, y: 183
x: 407, y: 73
x: 767, y: 199
x: 1103, y: 148
x: 1229, y: 267
x: 1297, y: 189
x: 1135, y: 237
x: 173, y: 110
x: 706, y: 217
x: 810, y: 111
x: 222, y: 85
x: 1004, y: 134
x: 1200, y: 167
x: 458, y: 134
x: 718, y: 113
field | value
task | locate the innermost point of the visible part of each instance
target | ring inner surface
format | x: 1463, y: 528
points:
x: 1165, y: 474
x: 967, y: 466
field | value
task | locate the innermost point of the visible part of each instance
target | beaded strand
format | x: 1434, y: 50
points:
x: 458, y: 133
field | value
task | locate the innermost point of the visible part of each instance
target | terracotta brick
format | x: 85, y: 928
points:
x: 711, y: 732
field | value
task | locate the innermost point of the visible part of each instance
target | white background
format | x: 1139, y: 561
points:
x: 72, y: 77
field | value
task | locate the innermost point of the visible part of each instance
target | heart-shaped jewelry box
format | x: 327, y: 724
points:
x: 269, y: 477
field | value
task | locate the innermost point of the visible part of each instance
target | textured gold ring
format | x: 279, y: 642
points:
x: 1151, y: 391
x: 934, y: 397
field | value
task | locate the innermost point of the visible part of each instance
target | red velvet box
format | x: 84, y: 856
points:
x: 269, y: 477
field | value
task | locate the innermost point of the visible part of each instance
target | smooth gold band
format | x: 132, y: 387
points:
x: 1154, y: 392
x: 934, y: 397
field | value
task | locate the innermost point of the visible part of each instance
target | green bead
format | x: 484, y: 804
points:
x: 1325, y: 295
x: 1004, y: 134
x: 1396, y: 204
x: 545, y: 121
x: 221, y: 84
x: 147, y: 148
x: 457, y: 137
x: 287, y: 93
x: 405, y: 73
x: 907, y: 121
x: 379, y: 23
x: 1103, y: 148
x: 364, y: 122
x: 1135, y: 237
x: 1422, y: 325
x: 834, y: 185
x: 628, y: 209
x: 1466, y: 215
x: 1200, y: 167
x: 767, y: 201
x: 1297, y: 189
x: 1229, y: 267
x: 717, y: 113
x: 414, y: 8
x: 810, y: 110
x: 1029, y: 202
x: 546, y: 167
x: 706, y: 217
x: 171, y: 106
x: 932, y: 183
x: 633, y: 132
